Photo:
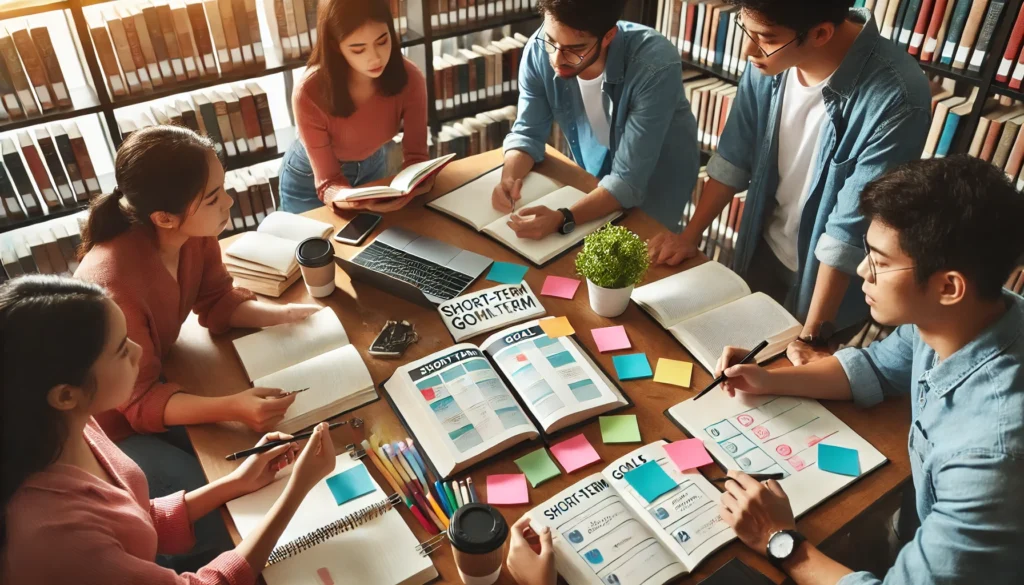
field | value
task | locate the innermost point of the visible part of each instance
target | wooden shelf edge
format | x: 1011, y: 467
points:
x: 30, y: 7
x: 484, y: 24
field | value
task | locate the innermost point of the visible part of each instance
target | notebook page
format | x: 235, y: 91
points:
x: 276, y: 348
x: 471, y: 202
x: 294, y: 227
x: 405, y: 181
x: 690, y: 292
x: 273, y: 252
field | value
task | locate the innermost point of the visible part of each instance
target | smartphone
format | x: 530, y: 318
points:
x: 393, y: 339
x: 356, y: 230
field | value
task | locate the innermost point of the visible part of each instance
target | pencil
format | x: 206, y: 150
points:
x: 414, y: 469
x: 458, y: 494
x: 437, y: 509
x: 271, y: 444
x: 722, y: 377
x: 472, y: 490
x: 465, y: 493
x: 394, y: 461
x: 380, y: 468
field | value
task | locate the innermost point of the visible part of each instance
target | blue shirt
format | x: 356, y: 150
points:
x: 966, y: 450
x: 878, y: 105
x: 652, y: 157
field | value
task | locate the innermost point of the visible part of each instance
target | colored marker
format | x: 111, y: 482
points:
x: 442, y: 500
x: 413, y: 466
x: 380, y: 467
x: 451, y: 496
x: 458, y: 494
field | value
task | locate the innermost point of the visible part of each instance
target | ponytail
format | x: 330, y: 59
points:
x: 106, y: 221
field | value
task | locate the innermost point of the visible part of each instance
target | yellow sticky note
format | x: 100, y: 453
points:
x: 673, y: 372
x: 557, y: 327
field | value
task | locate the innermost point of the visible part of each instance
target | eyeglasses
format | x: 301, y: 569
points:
x: 572, y: 57
x: 871, y: 264
x: 759, y: 47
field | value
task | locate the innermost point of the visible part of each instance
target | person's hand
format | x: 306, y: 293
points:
x: 506, y: 193
x: 801, y: 353
x: 387, y: 205
x: 259, y: 470
x: 749, y: 378
x: 535, y: 223
x: 425, y: 187
x: 261, y: 409
x: 671, y: 249
x: 755, y: 510
x: 531, y: 563
x: 315, y: 461
x: 295, y: 312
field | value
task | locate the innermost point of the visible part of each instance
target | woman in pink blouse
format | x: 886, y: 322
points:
x: 358, y: 92
x: 75, y: 509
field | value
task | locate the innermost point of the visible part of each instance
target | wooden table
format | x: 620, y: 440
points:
x: 208, y: 366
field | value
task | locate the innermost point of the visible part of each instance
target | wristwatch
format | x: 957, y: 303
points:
x: 782, y: 544
x: 568, y: 222
x: 821, y: 339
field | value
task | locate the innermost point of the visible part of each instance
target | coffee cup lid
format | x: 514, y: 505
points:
x: 314, y: 253
x: 477, y: 528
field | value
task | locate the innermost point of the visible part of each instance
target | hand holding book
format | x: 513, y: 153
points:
x: 260, y: 409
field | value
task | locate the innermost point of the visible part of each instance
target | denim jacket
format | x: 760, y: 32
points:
x: 653, y: 157
x: 966, y: 450
x: 878, y: 105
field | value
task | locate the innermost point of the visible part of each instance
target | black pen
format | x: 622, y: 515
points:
x: 721, y: 378
x: 271, y: 444
x: 754, y: 476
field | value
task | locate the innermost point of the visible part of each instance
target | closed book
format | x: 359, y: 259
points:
x: 40, y: 257
x: 135, y: 48
x: 36, y: 168
x: 235, y: 117
x: 311, y: 20
x: 8, y: 93
x: 53, y: 252
x: 1013, y: 46
x: 907, y: 23
x: 141, y: 31
x: 67, y: 157
x: 122, y: 50
x: 217, y: 34
x: 1006, y: 140
x: 9, y: 259
x: 18, y: 77
x: 48, y: 150
x: 478, y: 72
x: 690, y: 23
x: 242, y: 28
x: 244, y: 200
x: 1016, y: 158
x: 223, y: 122
x: 250, y: 118
x: 440, y: 99
x: 25, y: 259
x: 277, y: 23
x: 970, y: 34
x: 34, y: 67
x: 8, y: 193
x: 920, y: 26
x: 259, y: 212
x: 252, y: 17
x: 156, y: 37
x: 259, y: 96
x: 730, y: 39
x: 66, y: 245
x: 698, y: 31
x: 938, y: 122
x: 988, y: 28
x: 208, y: 114
x: 957, y: 23
x: 301, y: 26
x: 186, y: 44
x: 92, y: 184
x: 160, y: 115
x: 188, y: 115
x: 44, y: 45
x: 166, y: 19
x: 879, y: 11
x: 202, y: 37
x: 227, y: 19
x: 271, y: 172
x: 980, y: 132
x: 939, y: 18
x: 460, y: 78
x: 998, y: 118
x: 263, y: 188
x: 237, y: 219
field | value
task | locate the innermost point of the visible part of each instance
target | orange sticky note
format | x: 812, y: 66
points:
x: 557, y: 327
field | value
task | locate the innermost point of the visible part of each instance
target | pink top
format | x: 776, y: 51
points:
x: 155, y: 306
x: 65, y: 525
x: 329, y: 139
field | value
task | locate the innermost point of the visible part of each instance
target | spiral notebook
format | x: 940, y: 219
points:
x: 362, y: 541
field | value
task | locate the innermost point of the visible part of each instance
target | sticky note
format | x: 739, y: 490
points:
x: 507, y: 489
x: 538, y: 467
x: 633, y: 366
x: 575, y: 453
x: 688, y: 454
x: 611, y: 338
x: 673, y: 372
x: 650, y: 481
x: 561, y: 287
x: 557, y: 327
x: 350, y: 484
x: 620, y: 429
x: 506, y: 273
x: 839, y: 460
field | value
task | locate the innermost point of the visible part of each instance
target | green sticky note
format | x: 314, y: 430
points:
x: 620, y: 429
x: 538, y: 467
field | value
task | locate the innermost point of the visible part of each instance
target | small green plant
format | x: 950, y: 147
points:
x: 613, y: 257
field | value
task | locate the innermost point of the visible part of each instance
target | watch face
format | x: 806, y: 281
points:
x: 568, y: 227
x: 780, y: 545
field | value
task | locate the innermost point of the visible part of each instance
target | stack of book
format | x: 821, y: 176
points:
x: 476, y: 134
x: 143, y: 45
x: 719, y: 240
x: 47, y: 248
x: 47, y: 169
x: 477, y: 75
x: 31, y: 80
x: 704, y: 33
x: 452, y: 14
x: 947, y: 111
x: 711, y: 100
x: 263, y: 261
x: 237, y: 118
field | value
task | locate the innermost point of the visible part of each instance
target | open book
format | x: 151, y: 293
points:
x: 404, y: 183
x: 604, y: 532
x: 709, y: 307
x: 463, y: 403
x: 379, y: 551
x: 264, y: 260
x: 314, y: 358
x: 471, y: 204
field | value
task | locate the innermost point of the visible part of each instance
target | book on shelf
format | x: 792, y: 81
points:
x: 311, y: 13
x: 49, y: 153
x: 135, y: 25
x: 11, y: 107
x: 404, y: 183
x: 241, y: 211
x: 302, y: 27
x: 123, y: 51
x: 252, y: 20
x: 234, y: 112
x: 1012, y: 51
x: 105, y: 54
x: 44, y: 45
x: 281, y: 24
x: 82, y: 157
x: 250, y: 118
x: 267, y: 256
x: 202, y: 38
x: 9, y: 203
x: 231, y: 34
x: 67, y: 159
x: 34, y: 162
x: 33, y: 63
x: 186, y: 44
x: 710, y: 307
x: 134, y: 42
x: 175, y: 54
x: 266, y: 121
x: 217, y: 37
x: 20, y: 177
x: 156, y: 37
x: 18, y: 78
x: 223, y: 122
x: 501, y: 378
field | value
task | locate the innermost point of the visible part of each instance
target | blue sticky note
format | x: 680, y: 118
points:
x: 633, y: 366
x: 349, y: 485
x: 839, y: 460
x: 650, y: 480
x: 506, y: 273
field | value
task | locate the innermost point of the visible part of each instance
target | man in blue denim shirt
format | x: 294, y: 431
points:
x: 943, y: 236
x: 616, y: 90
x: 832, y: 105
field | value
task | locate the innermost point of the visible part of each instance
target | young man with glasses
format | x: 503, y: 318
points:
x: 616, y: 91
x: 826, y: 105
x: 943, y: 236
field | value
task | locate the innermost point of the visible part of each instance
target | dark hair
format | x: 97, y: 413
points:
x: 596, y: 17
x: 799, y: 15
x: 336, y: 20
x: 159, y: 168
x: 41, y: 317
x: 956, y: 213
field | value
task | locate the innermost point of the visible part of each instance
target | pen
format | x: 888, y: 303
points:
x: 271, y: 444
x: 465, y: 493
x: 472, y: 490
x: 400, y: 457
x: 754, y: 476
x: 722, y: 377
x: 442, y: 499
x: 294, y: 392
x: 394, y: 461
x: 413, y: 492
x: 437, y: 509
x: 458, y: 494
x: 451, y: 496
x: 391, y: 469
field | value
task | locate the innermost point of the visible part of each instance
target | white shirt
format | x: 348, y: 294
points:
x: 803, y: 115
x: 594, y: 105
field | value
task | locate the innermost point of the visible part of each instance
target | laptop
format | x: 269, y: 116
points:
x: 414, y: 267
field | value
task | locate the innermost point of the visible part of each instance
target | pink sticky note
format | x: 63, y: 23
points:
x: 611, y: 338
x: 557, y: 286
x: 507, y: 489
x: 688, y: 454
x: 575, y: 453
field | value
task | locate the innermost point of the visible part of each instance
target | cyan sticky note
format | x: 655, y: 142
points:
x: 633, y: 366
x: 350, y: 484
x: 506, y: 273
x: 839, y: 460
x: 650, y: 481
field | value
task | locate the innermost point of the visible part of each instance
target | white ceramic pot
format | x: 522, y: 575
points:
x: 608, y: 302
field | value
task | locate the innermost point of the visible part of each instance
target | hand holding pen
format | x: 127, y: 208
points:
x: 505, y: 195
x: 722, y: 377
x: 739, y: 374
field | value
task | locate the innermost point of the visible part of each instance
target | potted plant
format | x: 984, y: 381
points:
x: 613, y: 260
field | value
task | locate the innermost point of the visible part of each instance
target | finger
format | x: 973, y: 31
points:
x: 726, y: 514
x: 676, y: 257
x: 749, y: 484
x: 514, y: 227
x: 735, y: 488
x: 531, y: 211
x: 326, y: 443
x: 267, y: 392
x: 545, y: 539
x: 776, y: 488
x: 730, y: 503
x: 521, y: 525
x: 517, y: 190
x: 274, y: 453
x: 274, y: 436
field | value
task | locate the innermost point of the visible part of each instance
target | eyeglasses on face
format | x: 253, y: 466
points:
x: 764, y: 52
x: 874, y: 272
x: 572, y: 57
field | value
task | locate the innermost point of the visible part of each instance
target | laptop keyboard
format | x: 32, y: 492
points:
x: 431, y: 278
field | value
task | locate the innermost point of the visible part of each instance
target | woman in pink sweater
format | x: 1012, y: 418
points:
x: 75, y: 509
x: 358, y: 93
